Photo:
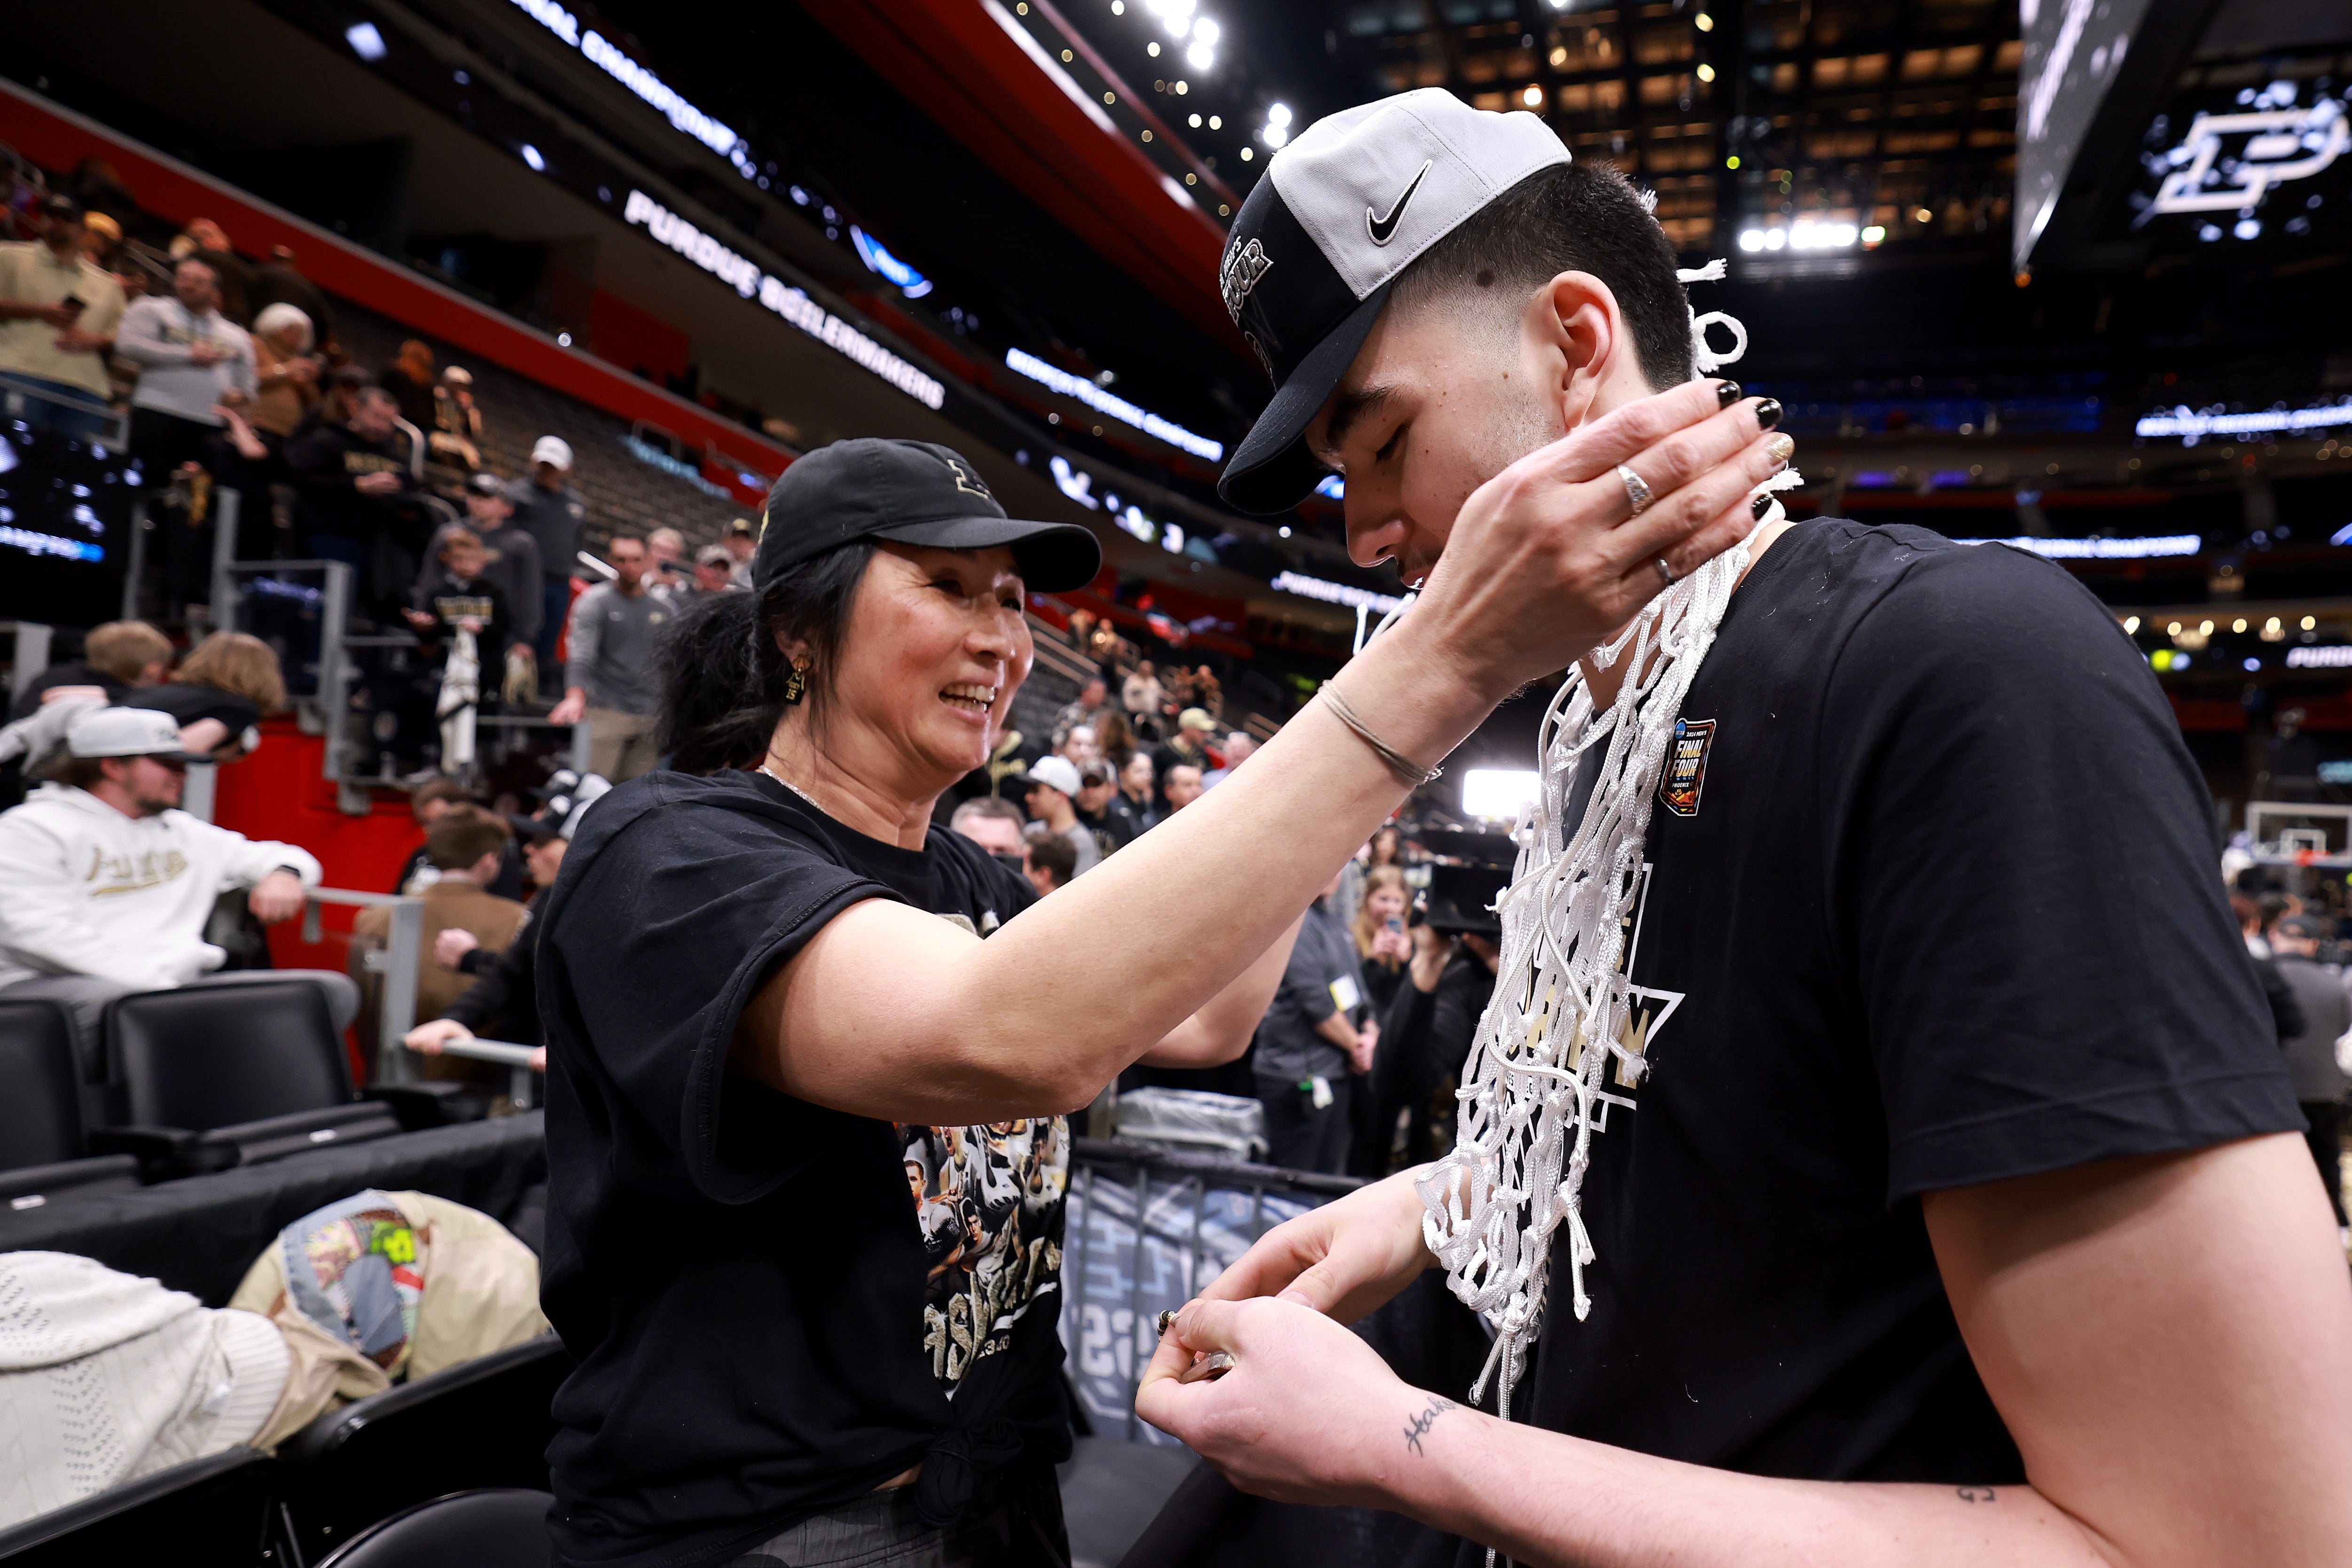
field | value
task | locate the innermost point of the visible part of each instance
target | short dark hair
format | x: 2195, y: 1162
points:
x: 1582, y: 216
x: 1055, y: 854
x: 464, y: 834
x: 981, y: 806
x: 76, y: 772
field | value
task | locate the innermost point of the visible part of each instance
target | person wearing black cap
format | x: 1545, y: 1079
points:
x: 805, y: 1224
x: 1937, y: 1141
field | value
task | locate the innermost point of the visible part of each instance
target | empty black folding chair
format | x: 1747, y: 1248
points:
x: 219, y: 1511
x: 488, y: 1529
x: 483, y: 1423
x: 44, y: 1155
x: 210, y: 1078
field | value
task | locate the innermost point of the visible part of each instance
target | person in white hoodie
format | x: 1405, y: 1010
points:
x: 105, y: 885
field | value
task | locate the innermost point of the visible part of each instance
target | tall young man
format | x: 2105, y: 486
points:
x: 1934, y: 1231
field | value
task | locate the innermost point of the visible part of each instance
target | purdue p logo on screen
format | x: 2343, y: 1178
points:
x: 1686, y: 772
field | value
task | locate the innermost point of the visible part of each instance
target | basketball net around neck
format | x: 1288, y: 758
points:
x: 1534, y: 1089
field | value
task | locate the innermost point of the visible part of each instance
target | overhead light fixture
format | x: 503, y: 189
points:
x: 1200, y: 57
x: 1706, y: 71
x: 531, y: 156
x: 1216, y: 123
x: 1533, y: 96
x: 364, y: 40
x: 1278, y: 125
x: 1195, y: 123
x: 1704, y: 23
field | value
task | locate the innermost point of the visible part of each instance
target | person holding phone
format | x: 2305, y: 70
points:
x: 58, y: 310
x: 1383, y: 948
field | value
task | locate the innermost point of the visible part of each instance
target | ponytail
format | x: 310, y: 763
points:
x: 722, y: 676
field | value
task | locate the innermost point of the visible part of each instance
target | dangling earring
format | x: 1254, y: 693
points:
x: 796, y: 683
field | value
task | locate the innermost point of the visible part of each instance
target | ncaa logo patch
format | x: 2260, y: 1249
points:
x: 1686, y: 772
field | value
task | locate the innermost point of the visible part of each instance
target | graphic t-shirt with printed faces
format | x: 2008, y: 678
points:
x: 775, y: 1307
x: 1930, y: 902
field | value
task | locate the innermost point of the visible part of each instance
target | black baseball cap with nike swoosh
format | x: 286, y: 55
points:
x: 1347, y: 205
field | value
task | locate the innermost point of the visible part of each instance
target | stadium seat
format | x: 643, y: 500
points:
x: 206, y: 1079
x: 486, y: 1423
x: 42, y: 1145
x: 502, y: 1528
x: 219, y: 1511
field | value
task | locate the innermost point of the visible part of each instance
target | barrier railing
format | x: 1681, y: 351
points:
x: 1145, y: 1230
x: 400, y: 962
x: 521, y: 1072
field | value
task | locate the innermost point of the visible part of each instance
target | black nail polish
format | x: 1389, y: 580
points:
x: 1759, y: 505
x: 1767, y: 414
x: 1727, y: 394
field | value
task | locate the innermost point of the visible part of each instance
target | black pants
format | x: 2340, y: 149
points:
x: 2326, y: 1140
x: 1299, y: 1136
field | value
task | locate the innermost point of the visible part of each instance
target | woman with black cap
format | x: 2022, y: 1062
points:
x: 808, y: 1051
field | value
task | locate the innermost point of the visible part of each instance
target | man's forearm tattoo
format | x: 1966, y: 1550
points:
x: 1976, y: 1494
x: 1421, y: 1422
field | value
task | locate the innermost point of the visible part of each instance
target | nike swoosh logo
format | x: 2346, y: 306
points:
x: 1382, y: 227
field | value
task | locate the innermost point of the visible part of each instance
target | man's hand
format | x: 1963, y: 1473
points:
x: 384, y: 484
x: 204, y: 351
x: 429, y: 1038
x: 454, y: 943
x: 1367, y: 1039
x: 74, y: 340
x: 571, y: 709
x: 1343, y: 1259
x: 1391, y: 947
x: 57, y: 313
x: 275, y: 897
x: 1310, y: 1413
x: 420, y: 619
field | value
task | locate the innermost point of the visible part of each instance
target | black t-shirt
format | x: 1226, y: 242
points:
x: 70, y: 674
x: 1931, y: 903
x: 188, y: 703
x: 775, y: 1307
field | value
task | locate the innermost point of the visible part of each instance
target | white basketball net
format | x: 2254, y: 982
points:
x: 1533, y: 1091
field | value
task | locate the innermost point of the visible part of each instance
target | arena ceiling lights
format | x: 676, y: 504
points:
x: 793, y: 305
x: 1118, y: 408
x: 606, y: 57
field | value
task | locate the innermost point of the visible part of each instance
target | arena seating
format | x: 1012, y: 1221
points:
x: 202, y: 1080
x: 485, y: 1423
x: 44, y: 1150
x: 494, y: 1527
x: 219, y: 1511
x: 624, y: 495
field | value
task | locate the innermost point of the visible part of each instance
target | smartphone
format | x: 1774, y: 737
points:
x: 1394, y: 923
x: 74, y: 303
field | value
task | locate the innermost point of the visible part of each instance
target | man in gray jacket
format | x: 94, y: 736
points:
x: 1312, y: 1044
x: 609, y: 678
x: 2319, y: 1083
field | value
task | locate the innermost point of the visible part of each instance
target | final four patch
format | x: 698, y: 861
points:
x: 1686, y: 772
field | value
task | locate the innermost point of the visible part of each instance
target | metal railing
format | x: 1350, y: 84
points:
x: 15, y: 401
x: 521, y: 1074
x: 400, y: 963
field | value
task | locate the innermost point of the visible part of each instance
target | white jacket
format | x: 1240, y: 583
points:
x: 105, y: 1378
x: 85, y: 890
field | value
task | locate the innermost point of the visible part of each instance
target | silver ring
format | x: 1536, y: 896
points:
x: 1635, y: 490
x: 1664, y: 570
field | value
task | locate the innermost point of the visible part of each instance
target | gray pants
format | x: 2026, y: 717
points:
x: 86, y: 997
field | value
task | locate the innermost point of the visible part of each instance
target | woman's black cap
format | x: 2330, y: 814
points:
x: 912, y: 492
